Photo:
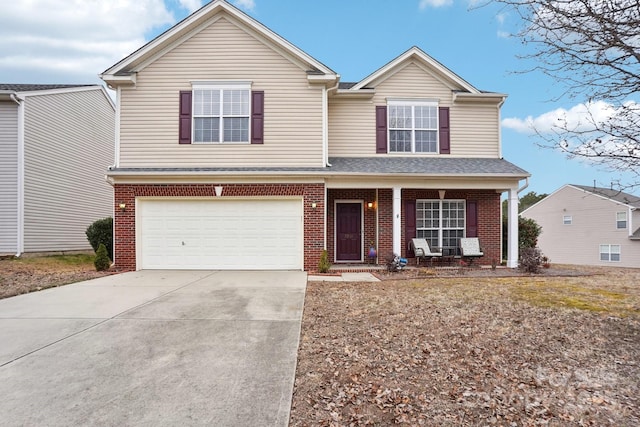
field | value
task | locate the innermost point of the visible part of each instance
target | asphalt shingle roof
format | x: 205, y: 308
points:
x: 618, y: 196
x: 34, y: 87
x: 419, y: 166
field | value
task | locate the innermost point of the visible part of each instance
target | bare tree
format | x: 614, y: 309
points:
x: 592, y: 47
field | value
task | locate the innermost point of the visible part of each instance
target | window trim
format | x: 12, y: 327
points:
x: 440, y: 229
x: 221, y: 86
x: 609, y: 252
x: 414, y: 103
x: 618, y: 221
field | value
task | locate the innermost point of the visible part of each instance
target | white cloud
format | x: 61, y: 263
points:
x: 579, y: 117
x: 73, y: 40
x: 191, y: 5
x: 434, y: 3
x: 245, y: 4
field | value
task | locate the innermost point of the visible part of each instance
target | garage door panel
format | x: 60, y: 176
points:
x: 220, y: 234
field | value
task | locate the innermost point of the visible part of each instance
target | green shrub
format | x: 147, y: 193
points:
x: 528, y: 232
x: 101, y: 231
x: 324, y: 265
x: 102, y: 261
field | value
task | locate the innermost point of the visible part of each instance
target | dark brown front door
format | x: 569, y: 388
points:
x: 348, y: 232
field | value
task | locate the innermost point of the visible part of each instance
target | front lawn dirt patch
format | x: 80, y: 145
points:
x: 472, y: 351
x: 23, y: 275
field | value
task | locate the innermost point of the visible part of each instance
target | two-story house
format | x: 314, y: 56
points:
x: 589, y: 226
x: 237, y: 150
x: 55, y: 143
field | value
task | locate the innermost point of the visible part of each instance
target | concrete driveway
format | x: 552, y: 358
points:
x: 153, y: 348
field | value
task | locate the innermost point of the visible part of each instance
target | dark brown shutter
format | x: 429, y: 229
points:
x: 409, y: 224
x: 472, y: 218
x: 257, y: 117
x: 381, y: 129
x: 184, y: 132
x: 445, y: 145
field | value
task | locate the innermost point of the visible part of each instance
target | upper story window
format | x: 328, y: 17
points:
x: 413, y: 126
x: 621, y: 220
x: 567, y: 220
x: 221, y: 113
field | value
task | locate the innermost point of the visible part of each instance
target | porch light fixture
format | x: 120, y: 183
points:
x: 314, y: 205
x: 123, y: 206
x: 370, y: 205
x: 218, y: 189
x: 441, y: 193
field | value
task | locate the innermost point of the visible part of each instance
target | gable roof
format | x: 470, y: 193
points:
x: 124, y: 71
x: 414, y: 53
x: 614, y: 195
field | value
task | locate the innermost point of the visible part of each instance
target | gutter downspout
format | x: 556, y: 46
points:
x: 20, y: 216
x: 325, y: 146
x: 325, y: 121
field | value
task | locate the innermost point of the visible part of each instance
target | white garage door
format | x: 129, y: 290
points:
x: 219, y: 234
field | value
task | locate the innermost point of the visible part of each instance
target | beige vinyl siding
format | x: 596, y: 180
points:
x: 222, y: 51
x: 593, y: 224
x: 68, y: 148
x: 8, y: 178
x: 474, y: 127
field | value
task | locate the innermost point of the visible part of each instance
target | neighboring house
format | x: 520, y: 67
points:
x: 237, y: 150
x: 55, y: 143
x: 589, y: 226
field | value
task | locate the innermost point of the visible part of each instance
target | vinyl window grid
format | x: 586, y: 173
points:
x: 221, y: 114
x: 621, y: 220
x: 610, y: 253
x: 441, y: 222
x: 412, y: 126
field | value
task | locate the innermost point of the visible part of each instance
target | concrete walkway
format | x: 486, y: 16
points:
x: 153, y: 348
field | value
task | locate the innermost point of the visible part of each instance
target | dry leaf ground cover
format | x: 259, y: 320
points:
x: 472, y: 351
x: 23, y: 275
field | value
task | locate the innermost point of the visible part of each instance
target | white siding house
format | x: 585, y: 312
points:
x: 589, y: 226
x: 56, y: 143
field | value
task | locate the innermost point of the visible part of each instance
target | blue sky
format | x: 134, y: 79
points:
x: 72, y: 41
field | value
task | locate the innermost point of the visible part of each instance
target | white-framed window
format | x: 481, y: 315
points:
x: 610, y: 253
x: 413, y: 126
x: 221, y: 113
x: 441, y: 222
x: 621, y: 220
x: 567, y: 220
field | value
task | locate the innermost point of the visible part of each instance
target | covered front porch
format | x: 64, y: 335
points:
x: 369, y: 223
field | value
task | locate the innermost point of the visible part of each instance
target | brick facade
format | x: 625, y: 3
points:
x: 125, y: 227
x: 489, y: 223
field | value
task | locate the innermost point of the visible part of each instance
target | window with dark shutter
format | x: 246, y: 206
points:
x: 472, y: 218
x: 257, y: 117
x: 381, y: 129
x: 443, y: 127
x: 184, y: 126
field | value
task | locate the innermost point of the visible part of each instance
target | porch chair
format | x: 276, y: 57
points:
x: 470, y: 249
x: 422, y: 250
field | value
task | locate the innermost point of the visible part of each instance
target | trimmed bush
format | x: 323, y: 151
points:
x: 324, y: 265
x: 528, y: 232
x: 101, y: 231
x: 102, y: 261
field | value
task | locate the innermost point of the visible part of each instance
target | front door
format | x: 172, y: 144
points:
x: 348, y: 232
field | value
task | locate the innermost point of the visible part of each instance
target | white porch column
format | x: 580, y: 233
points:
x: 397, y: 229
x: 512, y: 216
